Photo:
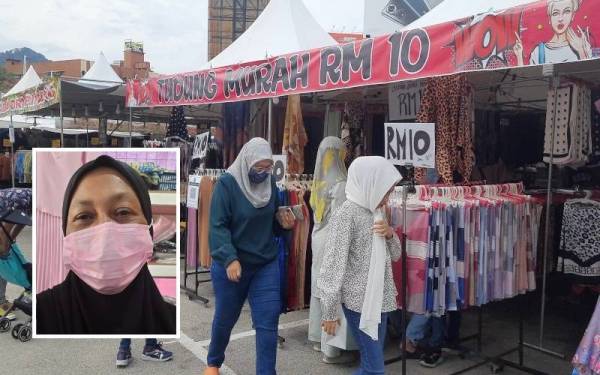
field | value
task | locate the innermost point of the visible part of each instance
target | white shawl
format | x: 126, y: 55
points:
x: 369, y: 179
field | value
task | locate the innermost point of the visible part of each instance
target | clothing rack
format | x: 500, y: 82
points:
x: 197, y: 271
x: 426, y: 192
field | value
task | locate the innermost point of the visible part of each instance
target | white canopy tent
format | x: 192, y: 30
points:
x: 101, y: 73
x: 285, y: 26
x: 29, y: 80
x: 452, y: 10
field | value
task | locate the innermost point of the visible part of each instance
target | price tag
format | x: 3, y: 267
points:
x: 279, y: 167
x: 410, y: 144
x: 56, y: 143
x: 95, y: 141
x: 193, y: 192
x: 201, y: 146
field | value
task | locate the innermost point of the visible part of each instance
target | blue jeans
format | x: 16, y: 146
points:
x: 261, y: 286
x: 126, y: 343
x: 371, y: 351
x: 426, y: 331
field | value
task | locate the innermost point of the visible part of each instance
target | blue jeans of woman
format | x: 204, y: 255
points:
x: 426, y: 331
x: 261, y: 286
x: 371, y: 351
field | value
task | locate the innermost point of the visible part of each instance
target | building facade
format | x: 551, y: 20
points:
x: 228, y: 19
x: 133, y: 65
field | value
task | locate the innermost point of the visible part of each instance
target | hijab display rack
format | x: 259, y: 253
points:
x: 450, y: 193
x: 197, y: 270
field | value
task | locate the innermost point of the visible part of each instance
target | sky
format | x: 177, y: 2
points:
x: 173, y: 32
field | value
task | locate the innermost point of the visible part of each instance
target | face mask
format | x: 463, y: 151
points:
x: 109, y: 256
x: 257, y: 177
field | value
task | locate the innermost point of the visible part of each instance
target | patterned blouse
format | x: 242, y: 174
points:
x: 345, y: 270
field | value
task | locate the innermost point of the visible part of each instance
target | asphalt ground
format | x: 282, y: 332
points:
x: 296, y: 356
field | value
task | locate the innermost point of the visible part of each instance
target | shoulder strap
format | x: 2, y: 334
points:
x: 542, y: 53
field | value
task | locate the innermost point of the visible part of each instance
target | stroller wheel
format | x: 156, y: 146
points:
x: 15, y: 331
x: 4, y: 325
x: 25, y: 333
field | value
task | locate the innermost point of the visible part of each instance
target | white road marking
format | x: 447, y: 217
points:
x: 201, y: 353
x: 242, y: 335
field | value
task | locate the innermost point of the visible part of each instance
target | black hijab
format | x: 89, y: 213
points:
x: 73, y: 307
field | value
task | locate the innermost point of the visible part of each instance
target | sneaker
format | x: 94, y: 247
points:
x: 156, y: 353
x: 4, y: 308
x: 432, y: 360
x: 123, y: 358
x: 344, y: 358
x: 317, y: 347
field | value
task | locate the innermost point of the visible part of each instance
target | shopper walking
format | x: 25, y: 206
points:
x: 244, y: 219
x: 357, y: 268
x: 328, y: 194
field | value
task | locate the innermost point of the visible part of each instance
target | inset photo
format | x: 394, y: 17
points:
x: 106, y: 243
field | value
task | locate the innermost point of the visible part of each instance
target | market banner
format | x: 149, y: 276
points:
x: 36, y: 98
x: 543, y: 32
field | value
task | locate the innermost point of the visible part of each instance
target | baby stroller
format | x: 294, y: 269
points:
x: 15, y: 269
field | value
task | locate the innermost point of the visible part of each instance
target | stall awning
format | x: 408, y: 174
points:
x: 516, y: 37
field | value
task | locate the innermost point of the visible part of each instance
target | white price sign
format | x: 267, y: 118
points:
x: 405, y: 100
x: 193, y: 191
x: 279, y: 167
x: 410, y: 144
x: 201, y: 146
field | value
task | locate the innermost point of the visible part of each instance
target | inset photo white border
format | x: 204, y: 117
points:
x: 34, y: 242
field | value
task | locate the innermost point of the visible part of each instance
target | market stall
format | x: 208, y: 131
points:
x: 498, y: 67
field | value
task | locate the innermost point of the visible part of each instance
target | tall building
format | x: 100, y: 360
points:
x: 228, y: 19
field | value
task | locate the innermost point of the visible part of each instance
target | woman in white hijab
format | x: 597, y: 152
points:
x: 328, y: 194
x: 244, y: 218
x: 357, y: 270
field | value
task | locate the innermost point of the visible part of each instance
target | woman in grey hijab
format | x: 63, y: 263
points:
x: 244, y: 219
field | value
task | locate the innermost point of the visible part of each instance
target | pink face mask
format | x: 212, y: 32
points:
x: 109, y: 256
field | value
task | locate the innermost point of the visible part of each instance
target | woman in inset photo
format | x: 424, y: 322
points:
x: 107, y: 227
x: 567, y: 44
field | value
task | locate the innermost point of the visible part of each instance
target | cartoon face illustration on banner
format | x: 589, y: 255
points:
x: 569, y: 42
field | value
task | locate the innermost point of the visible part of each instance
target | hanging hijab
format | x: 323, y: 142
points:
x: 73, y: 307
x: 369, y: 180
x: 257, y: 149
x: 330, y: 170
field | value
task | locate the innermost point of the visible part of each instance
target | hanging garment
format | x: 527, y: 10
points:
x: 205, y: 196
x: 449, y: 103
x: 587, y: 358
x: 571, y: 118
x: 177, y: 126
x: 192, y: 238
x: 595, y: 130
x: 468, y: 251
x: 579, y: 254
x: 233, y: 135
x: 352, y: 131
x: 294, y: 136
